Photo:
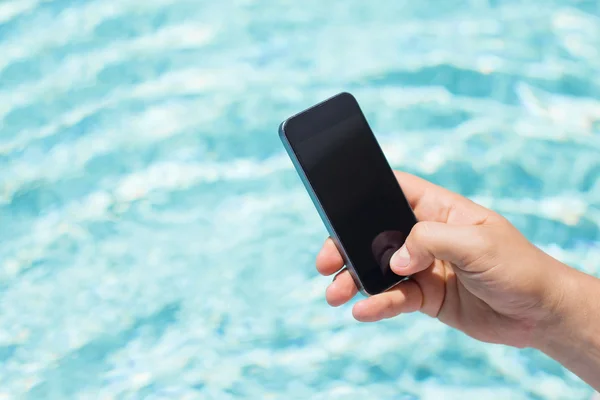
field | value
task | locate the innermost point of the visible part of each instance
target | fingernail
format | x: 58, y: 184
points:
x: 400, y: 259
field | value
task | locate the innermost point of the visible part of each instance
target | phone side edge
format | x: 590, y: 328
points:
x: 307, y: 185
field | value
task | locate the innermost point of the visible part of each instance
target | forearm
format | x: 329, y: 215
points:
x: 572, y: 337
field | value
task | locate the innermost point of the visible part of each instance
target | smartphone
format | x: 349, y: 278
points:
x: 352, y: 186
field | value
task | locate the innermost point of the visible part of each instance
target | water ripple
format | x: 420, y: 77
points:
x: 155, y: 237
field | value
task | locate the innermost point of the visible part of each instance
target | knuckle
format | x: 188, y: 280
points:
x: 391, y: 308
x: 420, y: 231
x: 483, y: 247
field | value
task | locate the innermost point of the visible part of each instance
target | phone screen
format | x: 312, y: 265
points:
x: 355, y: 186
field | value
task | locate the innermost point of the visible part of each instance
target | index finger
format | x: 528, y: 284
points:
x: 329, y: 259
x: 431, y: 202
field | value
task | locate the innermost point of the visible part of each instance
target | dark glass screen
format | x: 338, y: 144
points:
x: 355, y: 186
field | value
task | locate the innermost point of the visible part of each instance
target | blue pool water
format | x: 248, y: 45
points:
x: 155, y: 242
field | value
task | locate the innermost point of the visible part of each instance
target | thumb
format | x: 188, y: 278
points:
x: 428, y: 241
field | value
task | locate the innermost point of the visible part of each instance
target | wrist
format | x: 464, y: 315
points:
x: 561, y: 310
x: 569, y: 334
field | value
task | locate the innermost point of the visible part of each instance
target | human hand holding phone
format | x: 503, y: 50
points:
x: 476, y: 272
x: 461, y: 263
x: 470, y: 268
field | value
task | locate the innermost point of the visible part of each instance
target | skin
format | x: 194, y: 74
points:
x: 474, y: 271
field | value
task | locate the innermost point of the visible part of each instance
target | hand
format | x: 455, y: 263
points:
x: 470, y: 268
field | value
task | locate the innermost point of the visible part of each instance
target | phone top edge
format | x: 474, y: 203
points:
x: 314, y: 106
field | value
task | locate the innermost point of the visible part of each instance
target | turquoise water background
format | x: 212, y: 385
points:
x: 156, y: 243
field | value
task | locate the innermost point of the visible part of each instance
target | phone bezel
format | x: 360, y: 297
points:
x: 340, y: 99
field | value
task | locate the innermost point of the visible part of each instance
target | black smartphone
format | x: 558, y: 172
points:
x: 352, y: 186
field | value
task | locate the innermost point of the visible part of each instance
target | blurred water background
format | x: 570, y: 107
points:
x: 156, y: 243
